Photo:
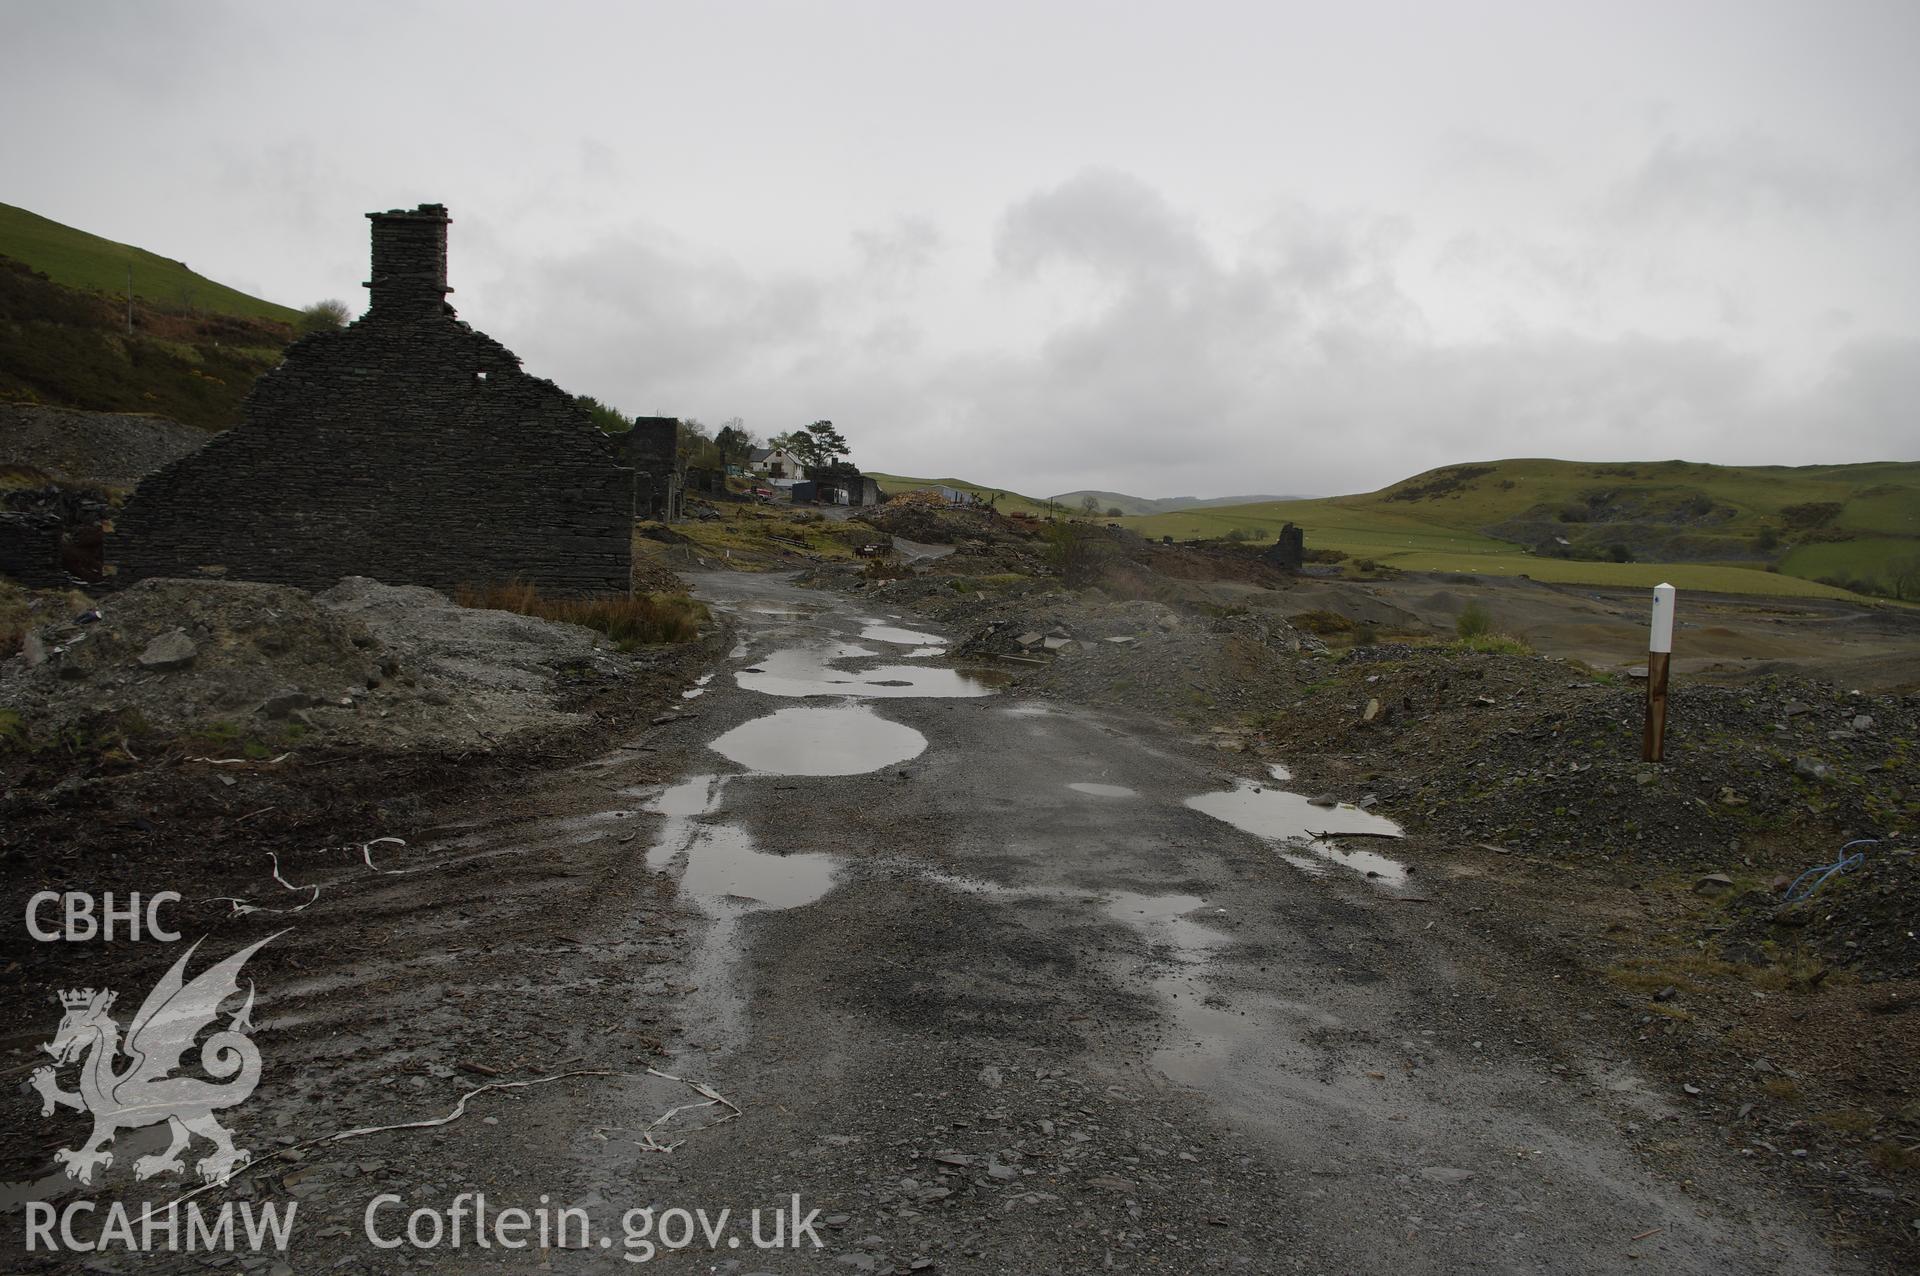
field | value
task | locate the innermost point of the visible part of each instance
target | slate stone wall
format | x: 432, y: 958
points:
x: 407, y: 447
x: 30, y: 550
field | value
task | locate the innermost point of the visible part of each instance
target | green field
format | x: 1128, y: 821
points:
x: 80, y: 260
x: 1720, y: 516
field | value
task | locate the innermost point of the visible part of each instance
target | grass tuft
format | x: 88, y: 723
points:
x: 1494, y: 645
x: 630, y: 620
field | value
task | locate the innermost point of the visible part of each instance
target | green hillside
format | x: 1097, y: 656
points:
x: 80, y: 260
x: 68, y: 347
x: 1698, y: 526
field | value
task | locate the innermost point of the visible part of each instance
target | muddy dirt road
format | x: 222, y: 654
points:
x: 994, y: 994
x: 993, y: 985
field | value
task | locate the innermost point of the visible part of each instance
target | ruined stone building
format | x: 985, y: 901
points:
x: 1289, y: 549
x: 659, y: 476
x: 406, y: 447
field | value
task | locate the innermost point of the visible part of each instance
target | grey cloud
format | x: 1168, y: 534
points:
x: 1296, y: 360
x: 1109, y: 221
x: 903, y: 247
x: 1735, y: 179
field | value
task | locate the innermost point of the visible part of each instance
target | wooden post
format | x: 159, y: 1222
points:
x: 1653, y: 742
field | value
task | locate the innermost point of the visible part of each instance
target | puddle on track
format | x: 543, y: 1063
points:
x: 698, y: 689
x: 845, y: 741
x: 811, y: 671
x: 1287, y: 819
x: 726, y: 876
x: 725, y: 869
x: 1103, y: 790
x: 1202, y: 1038
x: 695, y: 795
x: 877, y: 632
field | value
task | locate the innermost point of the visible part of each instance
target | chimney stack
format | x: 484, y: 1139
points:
x: 410, y: 260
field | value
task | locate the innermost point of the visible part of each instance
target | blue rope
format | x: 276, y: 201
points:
x: 1846, y: 863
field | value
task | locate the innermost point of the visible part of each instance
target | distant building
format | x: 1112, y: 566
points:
x: 776, y: 463
x: 653, y: 453
x: 842, y: 483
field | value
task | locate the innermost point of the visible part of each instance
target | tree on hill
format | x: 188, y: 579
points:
x: 324, y: 316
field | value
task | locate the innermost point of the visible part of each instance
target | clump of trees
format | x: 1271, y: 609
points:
x: 610, y: 419
x: 818, y: 444
x: 323, y: 316
x: 1902, y: 580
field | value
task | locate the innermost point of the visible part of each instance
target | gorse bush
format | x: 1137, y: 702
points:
x: 630, y: 620
x: 1073, y: 552
x: 1474, y: 621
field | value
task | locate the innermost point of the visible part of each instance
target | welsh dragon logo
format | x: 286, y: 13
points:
x: 141, y: 1092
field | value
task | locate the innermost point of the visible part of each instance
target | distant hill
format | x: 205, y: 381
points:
x: 1734, y: 528
x: 1142, y: 505
x: 77, y: 259
x: 1005, y: 501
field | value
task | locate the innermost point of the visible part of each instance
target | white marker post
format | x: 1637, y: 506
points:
x: 1653, y: 743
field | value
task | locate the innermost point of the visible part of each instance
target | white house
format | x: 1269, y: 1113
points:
x: 775, y: 463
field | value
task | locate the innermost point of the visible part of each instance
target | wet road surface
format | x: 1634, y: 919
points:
x: 994, y: 984
x: 1011, y: 986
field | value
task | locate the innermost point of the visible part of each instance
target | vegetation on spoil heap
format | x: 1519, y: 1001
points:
x: 66, y: 348
x: 630, y: 620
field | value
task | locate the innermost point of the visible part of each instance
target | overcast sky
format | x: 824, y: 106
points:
x: 1163, y: 248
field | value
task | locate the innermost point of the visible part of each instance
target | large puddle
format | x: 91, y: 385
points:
x: 844, y: 741
x: 1288, y: 819
x: 877, y: 632
x: 727, y: 877
x: 813, y: 671
x: 724, y: 867
x: 1204, y: 1032
x: 721, y: 862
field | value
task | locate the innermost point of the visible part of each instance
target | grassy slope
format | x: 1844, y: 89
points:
x: 80, y: 260
x: 1881, y: 501
x: 67, y: 347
